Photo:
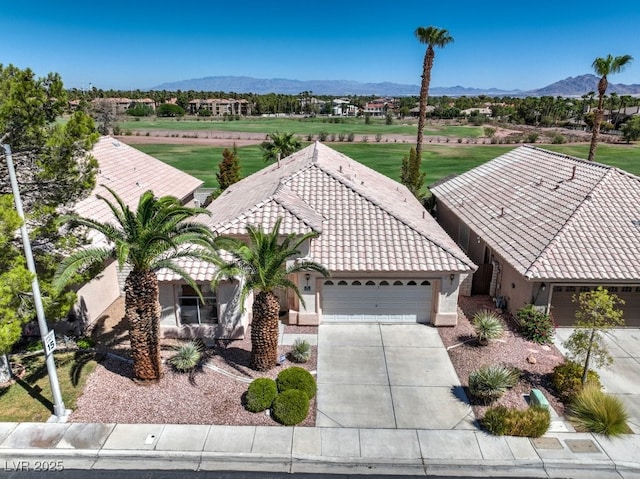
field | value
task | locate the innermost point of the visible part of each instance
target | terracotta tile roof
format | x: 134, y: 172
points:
x: 552, y: 216
x: 129, y: 172
x: 367, y: 222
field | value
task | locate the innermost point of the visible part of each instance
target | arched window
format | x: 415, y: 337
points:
x: 370, y: 283
x: 329, y: 283
x: 425, y: 283
x: 384, y: 283
x: 397, y: 283
x: 356, y: 283
x: 342, y: 283
x: 411, y: 283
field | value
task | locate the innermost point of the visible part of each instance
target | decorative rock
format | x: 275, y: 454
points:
x: 531, y: 359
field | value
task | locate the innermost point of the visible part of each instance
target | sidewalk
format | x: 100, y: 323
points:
x: 315, y: 450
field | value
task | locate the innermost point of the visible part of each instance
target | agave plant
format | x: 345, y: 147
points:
x: 488, y: 326
x: 489, y: 383
x: 187, y: 356
x: 301, y: 351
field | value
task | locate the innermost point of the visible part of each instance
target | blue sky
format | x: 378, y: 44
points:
x: 140, y: 44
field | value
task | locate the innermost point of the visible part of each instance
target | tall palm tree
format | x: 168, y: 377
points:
x: 263, y: 264
x: 603, y: 67
x: 432, y: 37
x: 155, y: 236
x: 280, y: 146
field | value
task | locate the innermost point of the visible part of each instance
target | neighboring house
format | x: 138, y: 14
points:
x: 379, y: 107
x: 128, y: 172
x: 389, y: 259
x: 118, y: 106
x: 415, y: 111
x: 342, y: 107
x: 545, y: 226
x: 480, y: 111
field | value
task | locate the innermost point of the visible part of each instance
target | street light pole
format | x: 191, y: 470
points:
x: 58, y: 405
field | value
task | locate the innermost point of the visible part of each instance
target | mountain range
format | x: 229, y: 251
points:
x: 569, y: 87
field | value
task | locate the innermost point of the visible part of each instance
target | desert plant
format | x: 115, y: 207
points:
x: 350, y: 137
x: 487, y: 325
x: 301, y: 351
x: 85, y: 343
x: 378, y: 137
x: 490, y: 382
x: 260, y: 394
x: 594, y: 411
x: 567, y: 380
x: 536, y: 325
x: 187, y: 356
x: 322, y: 136
x: 558, y: 139
x: 531, y: 422
x: 297, y: 378
x: 290, y: 407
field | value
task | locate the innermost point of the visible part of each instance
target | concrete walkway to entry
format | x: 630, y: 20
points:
x: 389, y: 376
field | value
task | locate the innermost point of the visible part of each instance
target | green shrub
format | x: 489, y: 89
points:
x: 85, y: 343
x: 260, y: 394
x: 290, y: 407
x: 322, y: 136
x: 301, y: 351
x: 531, y: 422
x: 297, y: 378
x: 489, y: 383
x: 35, y: 346
x: 536, y: 326
x: 594, y: 411
x: 350, y: 137
x: 487, y: 325
x: 558, y: 139
x: 187, y: 356
x: 567, y: 380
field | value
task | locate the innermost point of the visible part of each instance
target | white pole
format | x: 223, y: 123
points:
x: 58, y: 405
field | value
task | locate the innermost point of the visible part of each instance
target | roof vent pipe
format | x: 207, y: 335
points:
x: 573, y: 173
x: 501, y: 212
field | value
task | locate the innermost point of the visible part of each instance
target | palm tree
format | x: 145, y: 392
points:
x: 432, y: 37
x: 263, y: 264
x: 153, y: 237
x: 603, y: 67
x: 280, y: 146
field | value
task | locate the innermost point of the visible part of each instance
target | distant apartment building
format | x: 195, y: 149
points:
x: 119, y: 106
x: 220, y: 106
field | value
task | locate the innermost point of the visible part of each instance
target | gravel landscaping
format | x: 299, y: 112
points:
x: 212, y: 395
x: 535, y: 361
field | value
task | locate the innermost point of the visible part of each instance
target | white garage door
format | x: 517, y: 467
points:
x: 376, y: 300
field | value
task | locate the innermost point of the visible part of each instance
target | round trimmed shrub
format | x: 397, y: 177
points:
x: 290, y: 407
x: 260, y: 394
x: 567, y: 380
x: 489, y: 383
x: 297, y: 378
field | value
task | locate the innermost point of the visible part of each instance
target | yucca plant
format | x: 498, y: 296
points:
x: 301, y: 351
x: 187, y: 356
x: 490, y: 382
x: 488, y: 326
x: 595, y: 411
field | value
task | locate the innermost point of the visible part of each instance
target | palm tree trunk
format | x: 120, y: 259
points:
x: 427, y: 65
x: 142, y: 311
x: 264, y: 331
x: 597, y: 119
x: 5, y: 368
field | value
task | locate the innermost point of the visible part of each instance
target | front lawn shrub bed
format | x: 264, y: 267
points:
x: 567, y: 380
x: 290, y: 407
x: 531, y: 422
x: 297, y: 378
x: 489, y: 383
x: 594, y: 411
x: 536, y: 326
x: 260, y: 394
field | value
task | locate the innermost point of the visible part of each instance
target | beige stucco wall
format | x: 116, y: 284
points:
x: 98, y: 294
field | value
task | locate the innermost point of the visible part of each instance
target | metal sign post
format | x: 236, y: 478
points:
x: 58, y: 405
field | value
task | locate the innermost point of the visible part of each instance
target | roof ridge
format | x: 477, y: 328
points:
x: 466, y: 261
x: 554, y: 239
x: 293, y: 211
x: 574, y: 158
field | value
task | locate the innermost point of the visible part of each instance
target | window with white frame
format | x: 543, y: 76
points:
x: 193, y: 310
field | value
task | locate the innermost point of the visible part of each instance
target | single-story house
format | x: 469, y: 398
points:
x: 389, y: 259
x: 129, y: 172
x: 543, y: 226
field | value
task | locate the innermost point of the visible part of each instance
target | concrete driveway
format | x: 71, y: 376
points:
x: 623, y: 377
x: 395, y: 376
